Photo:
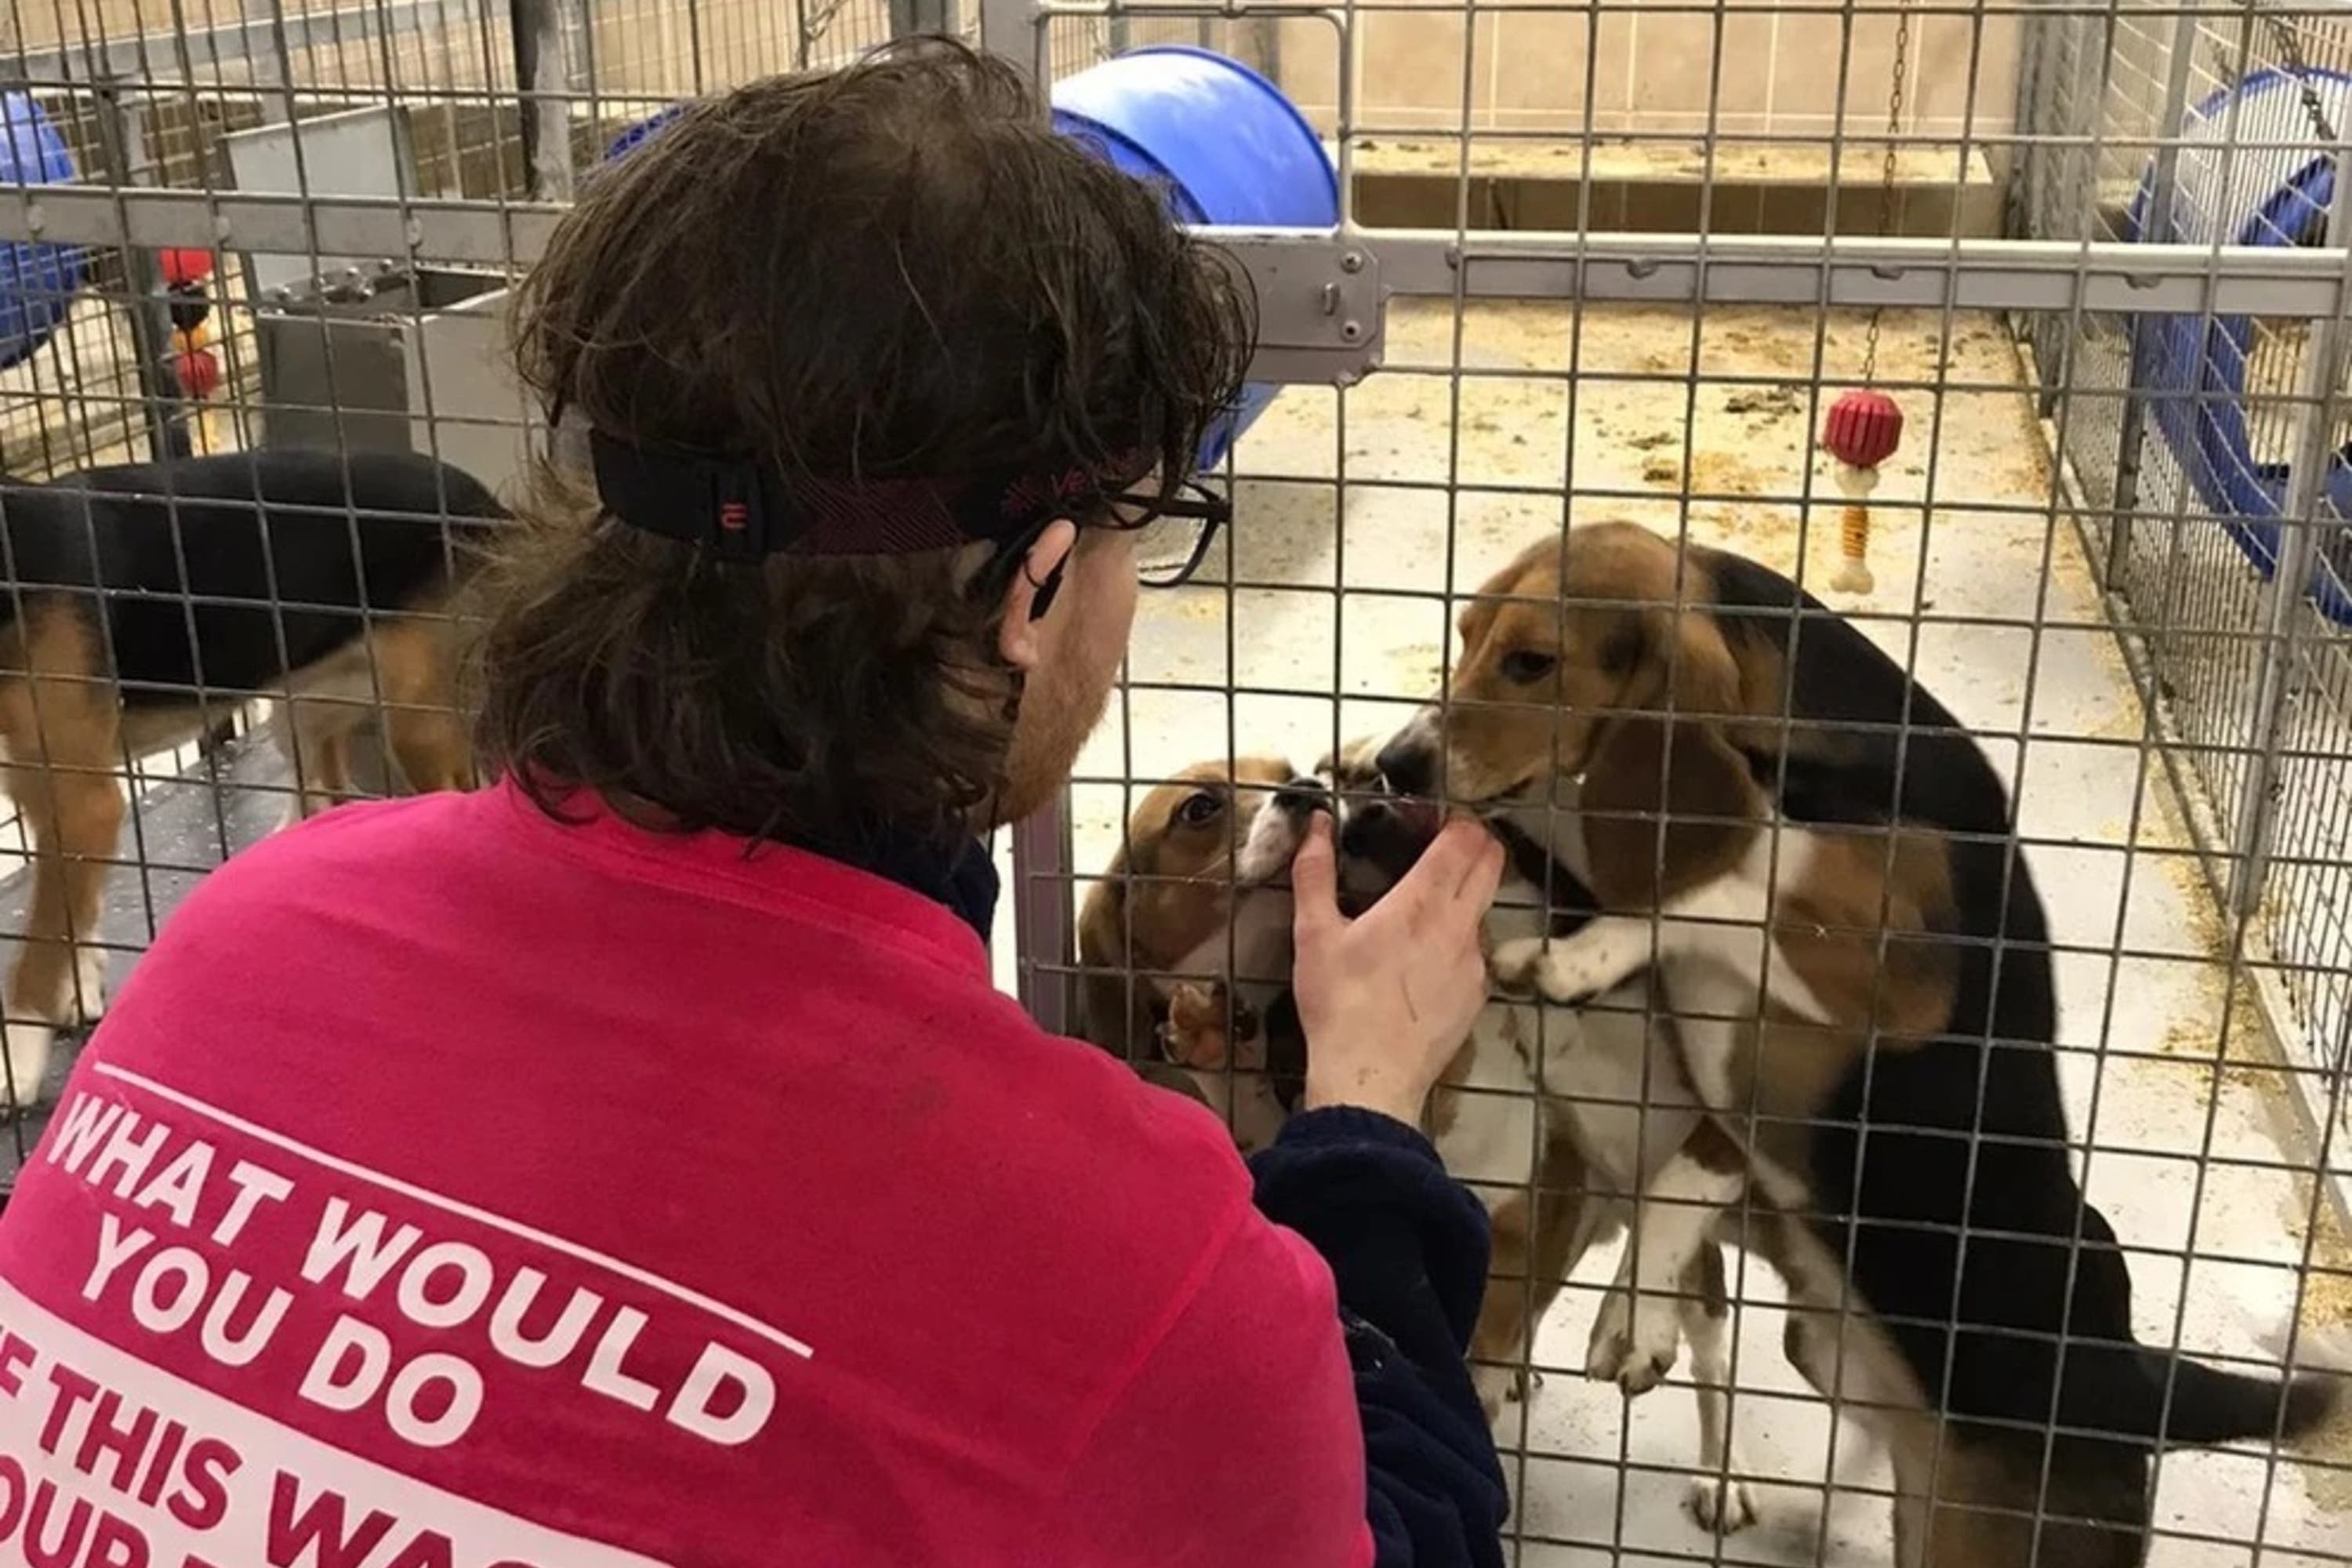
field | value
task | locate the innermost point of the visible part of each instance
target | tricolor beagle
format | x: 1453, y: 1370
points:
x: 1819, y: 861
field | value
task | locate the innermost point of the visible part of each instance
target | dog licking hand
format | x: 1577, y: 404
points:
x: 1185, y: 940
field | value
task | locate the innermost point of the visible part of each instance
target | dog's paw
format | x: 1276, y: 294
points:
x: 1720, y: 1506
x: 1193, y: 1033
x: 1497, y: 1386
x: 1206, y: 1027
x: 27, y: 1045
x: 88, y: 1005
x: 1596, y: 959
x: 1566, y: 975
x: 1512, y: 964
x: 1634, y: 1344
x: 1500, y: 1385
x: 1524, y: 967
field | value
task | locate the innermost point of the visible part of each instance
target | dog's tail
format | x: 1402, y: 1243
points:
x: 2143, y: 1392
x: 2209, y: 1405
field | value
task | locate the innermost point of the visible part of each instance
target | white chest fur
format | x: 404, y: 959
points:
x: 1254, y: 950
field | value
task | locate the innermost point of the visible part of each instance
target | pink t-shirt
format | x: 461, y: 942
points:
x: 453, y: 1188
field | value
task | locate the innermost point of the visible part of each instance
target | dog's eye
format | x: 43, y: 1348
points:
x: 1201, y: 810
x: 1526, y: 667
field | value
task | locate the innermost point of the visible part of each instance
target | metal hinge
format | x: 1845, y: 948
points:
x: 1321, y: 310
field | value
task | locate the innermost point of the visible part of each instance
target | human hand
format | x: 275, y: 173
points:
x: 1386, y: 1000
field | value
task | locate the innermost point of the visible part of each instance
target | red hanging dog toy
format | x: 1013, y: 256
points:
x: 1864, y: 427
x: 1862, y: 431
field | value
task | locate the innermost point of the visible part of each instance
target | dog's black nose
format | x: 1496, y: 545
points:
x: 1408, y: 765
x: 1302, y: 797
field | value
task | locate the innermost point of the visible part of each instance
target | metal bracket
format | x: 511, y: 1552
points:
x: 1321, y: 313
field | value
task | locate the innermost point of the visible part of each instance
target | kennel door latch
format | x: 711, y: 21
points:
x: 1319, y: 306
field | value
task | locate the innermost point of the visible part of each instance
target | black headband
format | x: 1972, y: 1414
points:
x: 743, y: 509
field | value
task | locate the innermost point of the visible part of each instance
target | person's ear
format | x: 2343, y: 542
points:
x: 1030, y: 596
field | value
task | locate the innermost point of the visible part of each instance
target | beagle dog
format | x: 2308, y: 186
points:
x: 1184, y: 942
x: 146, y: 603
x: 1819, y: 862
x: 1556, y: 1117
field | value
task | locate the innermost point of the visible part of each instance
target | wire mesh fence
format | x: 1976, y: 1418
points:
x: 1596, y: 263
x: 2211, y: 448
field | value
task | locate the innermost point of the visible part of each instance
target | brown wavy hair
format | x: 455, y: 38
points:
x: 897, y: 269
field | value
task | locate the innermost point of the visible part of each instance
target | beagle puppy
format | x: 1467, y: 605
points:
x: 1184, y: 942
x: 1820, y: 863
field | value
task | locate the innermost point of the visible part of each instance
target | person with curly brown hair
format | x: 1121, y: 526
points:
x: 631, y: 1163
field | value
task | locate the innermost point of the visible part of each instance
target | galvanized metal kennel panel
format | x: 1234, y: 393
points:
x: 1593, y: 261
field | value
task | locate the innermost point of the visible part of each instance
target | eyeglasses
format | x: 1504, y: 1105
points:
x: 1173, y: 532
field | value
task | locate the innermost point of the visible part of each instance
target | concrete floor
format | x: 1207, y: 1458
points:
x: 2162, y: 1061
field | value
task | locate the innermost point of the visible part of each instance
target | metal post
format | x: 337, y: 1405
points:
x: 2156, y: 222
x: 120, y: 138
x: 2318, y: 388
x: 1010, y: 29
x: 546, y: 107
x: 1043, y: 885
x: 2028, y: 116
x: 268, y: 64
x: 1265, y: 33
x: 2037, y: 113
x: 910, y: 17
x: 2074, y: 194
x: 1042, y: 924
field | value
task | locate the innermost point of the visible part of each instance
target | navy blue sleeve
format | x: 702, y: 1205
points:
x: 1408, y: 1245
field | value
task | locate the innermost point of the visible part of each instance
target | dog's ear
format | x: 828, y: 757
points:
x: 1651, y: 629
x: 1680, y: 802
x: 1105, y: 1013
x: 1134, y: 856
x: 1674, y: 658
x: 1102, y: 918
x: 1102, y: 921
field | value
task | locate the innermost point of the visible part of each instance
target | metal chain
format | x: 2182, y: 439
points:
x: 2290, y: 51
x: 1886, y: 169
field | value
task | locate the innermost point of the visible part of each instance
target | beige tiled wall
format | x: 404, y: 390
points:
x: 1653, y: 67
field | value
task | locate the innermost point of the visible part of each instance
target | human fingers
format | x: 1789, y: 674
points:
x: 1315, y: 882
x: 1430, y: 902
x: 1484, y: 876
x: 1448, y: 859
